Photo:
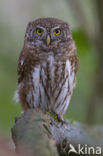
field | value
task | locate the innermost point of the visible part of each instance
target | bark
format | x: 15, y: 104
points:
x: 38, y: 134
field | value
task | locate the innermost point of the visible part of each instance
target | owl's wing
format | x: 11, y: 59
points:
x: 26, y: 63
x: 75, y: 58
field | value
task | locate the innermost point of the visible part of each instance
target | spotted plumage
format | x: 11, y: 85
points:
x: 47, y: 66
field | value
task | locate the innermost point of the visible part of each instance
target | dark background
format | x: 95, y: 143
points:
x: 86, y: 20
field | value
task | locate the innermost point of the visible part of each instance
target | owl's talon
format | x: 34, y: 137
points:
x: 60, y: 118
x: 64, y: 122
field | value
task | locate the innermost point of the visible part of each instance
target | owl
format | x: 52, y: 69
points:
x: 47, y: 66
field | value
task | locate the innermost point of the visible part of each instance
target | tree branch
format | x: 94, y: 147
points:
x: 38, y: 134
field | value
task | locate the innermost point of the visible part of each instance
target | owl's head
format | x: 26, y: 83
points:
x: 47, y: 32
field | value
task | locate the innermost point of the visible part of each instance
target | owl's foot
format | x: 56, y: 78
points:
x: 60, y: 118
x: 57, y: 117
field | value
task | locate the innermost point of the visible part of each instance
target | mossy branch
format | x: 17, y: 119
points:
x: 38, y: 134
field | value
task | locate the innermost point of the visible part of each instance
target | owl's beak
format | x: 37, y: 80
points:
x: 48, y: 40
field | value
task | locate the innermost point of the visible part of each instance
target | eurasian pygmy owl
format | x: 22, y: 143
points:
x: 47, y: 66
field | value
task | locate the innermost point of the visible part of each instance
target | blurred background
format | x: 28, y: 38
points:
x: 86, y: 20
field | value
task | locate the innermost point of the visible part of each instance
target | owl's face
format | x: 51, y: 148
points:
x: 47, y: 32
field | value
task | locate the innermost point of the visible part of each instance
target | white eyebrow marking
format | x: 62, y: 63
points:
x: 38, y: 26
x: 57, y: 27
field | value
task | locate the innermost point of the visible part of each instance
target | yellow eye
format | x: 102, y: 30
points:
x: 39, y: 31
x: 57, y: 32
